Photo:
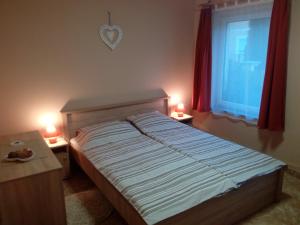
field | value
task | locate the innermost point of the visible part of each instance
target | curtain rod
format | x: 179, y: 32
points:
x: 232, y: 3
x: 209, y: 3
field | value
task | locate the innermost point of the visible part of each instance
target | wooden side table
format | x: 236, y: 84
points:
x: 61, y: 151
x: 186, y: 119
x: 31, y: 193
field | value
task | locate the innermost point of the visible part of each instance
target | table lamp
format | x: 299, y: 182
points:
x: 51, y: 133
x: 179, y: 109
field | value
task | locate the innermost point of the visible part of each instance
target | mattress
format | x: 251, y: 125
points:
x: 158, y: 181
x: 234, y: 161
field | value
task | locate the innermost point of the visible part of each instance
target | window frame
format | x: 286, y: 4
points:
x: 221, y: 44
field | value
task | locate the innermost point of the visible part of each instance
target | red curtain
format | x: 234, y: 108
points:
x: 203, y: 61
x: 272, y: 109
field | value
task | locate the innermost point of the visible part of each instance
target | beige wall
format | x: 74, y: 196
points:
x: 286, y: 146
x: 50, y: 52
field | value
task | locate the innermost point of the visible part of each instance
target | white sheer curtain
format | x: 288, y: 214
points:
x: 240, y: 42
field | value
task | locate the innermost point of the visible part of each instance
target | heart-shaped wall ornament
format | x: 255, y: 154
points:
x: 111, y: 35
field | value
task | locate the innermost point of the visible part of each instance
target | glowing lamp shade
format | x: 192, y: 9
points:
x: 51, y: 133
x: 179, y: 109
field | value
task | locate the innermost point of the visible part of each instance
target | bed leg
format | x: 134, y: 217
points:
x: 279, y: 184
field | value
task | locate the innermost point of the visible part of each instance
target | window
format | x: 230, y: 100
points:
x: 240, y: 42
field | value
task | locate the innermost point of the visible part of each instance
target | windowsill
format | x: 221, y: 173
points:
x: 235, y: 118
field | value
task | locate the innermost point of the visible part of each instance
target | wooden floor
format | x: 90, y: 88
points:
x: 86, y: 205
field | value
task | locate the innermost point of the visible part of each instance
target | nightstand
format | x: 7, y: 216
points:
x: 186, y: 119
x: 31, y: 192
x: 61, y: 151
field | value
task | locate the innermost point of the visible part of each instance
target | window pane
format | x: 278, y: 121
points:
x: 245, y: 60
x: 241, y: 62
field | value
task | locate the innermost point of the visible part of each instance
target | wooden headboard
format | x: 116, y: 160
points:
x: 75, y: 118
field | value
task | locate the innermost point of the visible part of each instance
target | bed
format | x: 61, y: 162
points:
x: 230, y: 207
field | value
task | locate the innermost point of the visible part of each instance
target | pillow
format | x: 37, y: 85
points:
x: 153, y: 121
x: 106, y: 132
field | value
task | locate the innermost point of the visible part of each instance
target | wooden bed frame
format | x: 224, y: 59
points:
x: 227, y: 209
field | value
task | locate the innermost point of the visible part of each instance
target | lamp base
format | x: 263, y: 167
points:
x: 180, y: 114
x: 52, y: 140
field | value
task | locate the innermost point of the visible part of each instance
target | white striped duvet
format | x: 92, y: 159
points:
x: 236, y: 162
x: 158, y: 181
